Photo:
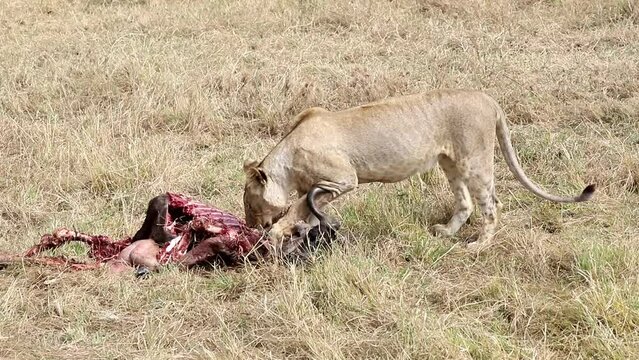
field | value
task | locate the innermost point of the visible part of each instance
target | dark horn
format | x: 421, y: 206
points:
x: 310, y: 201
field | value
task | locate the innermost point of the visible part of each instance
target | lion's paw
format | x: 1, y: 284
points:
x: 442, y: 230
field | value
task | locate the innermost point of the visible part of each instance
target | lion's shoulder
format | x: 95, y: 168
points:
x: 307, y: 114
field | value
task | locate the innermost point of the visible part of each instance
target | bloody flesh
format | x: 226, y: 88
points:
x: 189, y: 222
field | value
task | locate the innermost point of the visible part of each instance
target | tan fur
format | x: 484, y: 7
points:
x: 389, y: 141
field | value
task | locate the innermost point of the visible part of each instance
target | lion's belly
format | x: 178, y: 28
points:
x: 393, y: 164
x: 392, y: 172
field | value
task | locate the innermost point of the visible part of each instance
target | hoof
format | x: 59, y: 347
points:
x: 142, y: 272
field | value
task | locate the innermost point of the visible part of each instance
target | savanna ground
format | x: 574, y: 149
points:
x: 104, y: 104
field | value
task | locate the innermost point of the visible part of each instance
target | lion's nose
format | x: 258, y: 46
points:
x: 267, y: 225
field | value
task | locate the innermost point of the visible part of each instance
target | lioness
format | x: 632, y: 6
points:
x: 330, y: 153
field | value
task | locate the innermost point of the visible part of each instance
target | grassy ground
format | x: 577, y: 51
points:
x: 105, y: 103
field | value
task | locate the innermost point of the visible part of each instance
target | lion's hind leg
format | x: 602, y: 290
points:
x: 463, y: 200
x: 482, y: 187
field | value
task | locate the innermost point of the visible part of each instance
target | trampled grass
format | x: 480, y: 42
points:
x: 104, y: 104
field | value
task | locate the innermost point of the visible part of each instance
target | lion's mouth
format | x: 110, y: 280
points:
x: 279, y: 216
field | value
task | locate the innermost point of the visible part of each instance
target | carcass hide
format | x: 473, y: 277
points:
x: 189, y: 232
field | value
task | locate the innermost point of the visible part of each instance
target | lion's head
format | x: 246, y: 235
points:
x: 264, y: 200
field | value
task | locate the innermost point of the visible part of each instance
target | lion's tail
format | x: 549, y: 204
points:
x: 503, y: 136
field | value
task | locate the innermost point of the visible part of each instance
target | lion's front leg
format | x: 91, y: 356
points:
x: 285, y: 225
x: 300, y: 211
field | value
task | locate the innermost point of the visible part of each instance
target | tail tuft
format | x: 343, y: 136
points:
x: 587, y: 193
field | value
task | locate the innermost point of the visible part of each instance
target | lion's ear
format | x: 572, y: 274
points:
x: 248, y: 164
x: 254, y: 172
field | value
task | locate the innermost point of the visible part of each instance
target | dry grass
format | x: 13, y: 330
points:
x: 105, y: 103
